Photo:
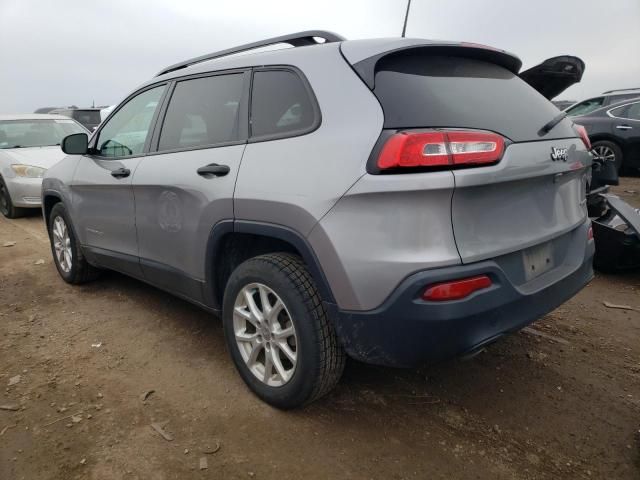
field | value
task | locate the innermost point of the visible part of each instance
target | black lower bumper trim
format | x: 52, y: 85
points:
x: 406, y: 331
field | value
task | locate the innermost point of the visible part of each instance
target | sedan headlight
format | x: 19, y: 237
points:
x: 28, y: 171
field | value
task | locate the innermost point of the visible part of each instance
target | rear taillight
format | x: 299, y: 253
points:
x: 456, y: 289
x: 582, y: 132
x: 440, y: 148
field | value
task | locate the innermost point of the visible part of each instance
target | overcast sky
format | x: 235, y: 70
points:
x: 63, y: 52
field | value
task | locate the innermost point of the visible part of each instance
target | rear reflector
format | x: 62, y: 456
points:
x: 456, y: 289
x: 440, y: 149
x: 583, y: 135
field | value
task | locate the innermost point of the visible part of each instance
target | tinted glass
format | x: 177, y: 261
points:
x: 620, y: 112
x: 418, y: 91
x: 631, y: 111
x: 585, y: 107
x: 36, y: 133
x: 203, y: 111
x: 126, y: 132
x: 86, y: 117
x: 634, y: 111
x: 280, y: 104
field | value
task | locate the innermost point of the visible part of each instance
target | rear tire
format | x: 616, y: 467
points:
x: 290, y: 369
x: 66, y: 251
x: 608, y: 151
x: 6, y: 205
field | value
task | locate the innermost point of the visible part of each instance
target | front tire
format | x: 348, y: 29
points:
x: 6, y: 205
x: 278, y: 331
x: 67, y: 254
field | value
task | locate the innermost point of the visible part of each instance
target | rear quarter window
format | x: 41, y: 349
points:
x: 421, y: 91
x: 631, y: 111
x: 281, y: 105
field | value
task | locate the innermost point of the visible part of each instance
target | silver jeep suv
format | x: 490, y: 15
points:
x: 399, y: 201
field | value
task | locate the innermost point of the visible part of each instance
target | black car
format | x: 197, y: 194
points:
x: 88, y: 117
x: 614, y: 132
x: 608, y: 98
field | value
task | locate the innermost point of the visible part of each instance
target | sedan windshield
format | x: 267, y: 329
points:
x: 35, y: 133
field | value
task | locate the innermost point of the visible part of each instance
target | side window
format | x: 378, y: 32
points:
x: 126, y: 132
x: 203, y: 111
x: 634, y: 111
x: 280, y: 104
x: 620, y: 112
x: 631, y: 111
x: 585, y: 107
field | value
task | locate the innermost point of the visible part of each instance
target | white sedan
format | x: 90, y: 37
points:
x: 29, y: 144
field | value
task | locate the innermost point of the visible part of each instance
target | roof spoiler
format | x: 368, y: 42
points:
x: 366, y: 68
x: 299, y: 39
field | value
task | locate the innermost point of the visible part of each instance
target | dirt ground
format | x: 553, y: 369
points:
x: 76, y: 361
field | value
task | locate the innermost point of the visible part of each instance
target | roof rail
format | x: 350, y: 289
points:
x: 299, y: 39
x: 620, y: 90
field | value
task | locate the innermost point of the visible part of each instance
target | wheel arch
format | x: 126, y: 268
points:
x: 599, y: 137
x: 232, y: 242
x: 49, y: 199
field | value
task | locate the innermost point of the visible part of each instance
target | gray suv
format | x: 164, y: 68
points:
x: 398, y: 201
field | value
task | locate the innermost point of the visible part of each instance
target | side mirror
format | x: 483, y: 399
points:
x: 76, y: 144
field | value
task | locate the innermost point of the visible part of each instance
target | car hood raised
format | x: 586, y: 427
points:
x: 44, y: 157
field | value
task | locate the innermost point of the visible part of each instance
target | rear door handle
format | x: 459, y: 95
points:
x: 624, y: 127
x: 121, y: 173
x: 213, y: 169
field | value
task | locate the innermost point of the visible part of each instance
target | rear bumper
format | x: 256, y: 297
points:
x: 406, y: 331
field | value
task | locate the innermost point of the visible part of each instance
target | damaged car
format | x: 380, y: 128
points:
x: 398, y: 201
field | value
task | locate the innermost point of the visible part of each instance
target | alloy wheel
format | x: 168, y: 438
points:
x: 604, y: 153
x: 62, y: 244
x: 265, y: 334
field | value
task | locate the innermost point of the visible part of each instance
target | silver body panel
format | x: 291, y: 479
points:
x: 524, y: 200
x: 176, y: 207
x: 103, y: 206
x: 295, y: 181
x: 385, y: 228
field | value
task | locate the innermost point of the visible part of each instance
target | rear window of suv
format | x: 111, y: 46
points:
x: 421, y: 91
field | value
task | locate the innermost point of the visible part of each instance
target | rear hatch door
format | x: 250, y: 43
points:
x: 536, y: 191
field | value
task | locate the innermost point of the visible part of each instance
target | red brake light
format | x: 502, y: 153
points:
x: 456, y: 289
x: 583, y: 135
x: 440, y: 149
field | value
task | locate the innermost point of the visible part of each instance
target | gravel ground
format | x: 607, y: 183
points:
x: 76, y: 362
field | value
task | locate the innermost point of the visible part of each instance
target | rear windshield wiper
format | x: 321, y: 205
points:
x: 554, y: 121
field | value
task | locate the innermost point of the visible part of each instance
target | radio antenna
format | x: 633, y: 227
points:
x: 406, y: 17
